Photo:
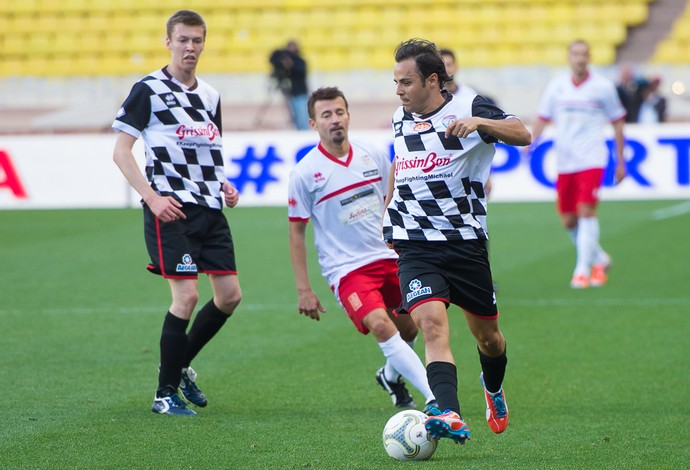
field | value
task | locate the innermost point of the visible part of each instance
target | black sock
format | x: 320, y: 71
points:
x: 494, y: 369
x: 207, y: 323
x: 173, y: 347
x: 443, y: 381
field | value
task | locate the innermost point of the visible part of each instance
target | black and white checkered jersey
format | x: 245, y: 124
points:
x: 181, y: 128
x: 439, y: 182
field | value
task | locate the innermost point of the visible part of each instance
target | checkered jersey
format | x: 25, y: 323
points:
x: 181, y: 128
x: 439, y: 182
x: 581, y: 112
x: 344, y: 199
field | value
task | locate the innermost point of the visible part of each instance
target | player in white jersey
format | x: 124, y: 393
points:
x: 443, y: 151
x: 340, y: 186
x: 582, y: 104
x: 186, y: 232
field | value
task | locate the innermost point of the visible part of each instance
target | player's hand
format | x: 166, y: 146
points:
x: 232, y: 196
x: 166, y: 208
x: 621, y: 173
x: 309, y: 305
x: 462, y: 127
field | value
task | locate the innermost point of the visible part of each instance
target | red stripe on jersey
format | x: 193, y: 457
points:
x: 347, y: 188
x: 298, y: 219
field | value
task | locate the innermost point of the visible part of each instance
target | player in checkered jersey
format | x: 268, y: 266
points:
x: 340, y: 185
x: 178, y: 117
x: 582, y: 104
x: 444, y: 145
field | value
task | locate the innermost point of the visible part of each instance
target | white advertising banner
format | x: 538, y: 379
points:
x: 77, y: 171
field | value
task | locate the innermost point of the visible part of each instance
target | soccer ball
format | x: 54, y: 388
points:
x: 406, y: 438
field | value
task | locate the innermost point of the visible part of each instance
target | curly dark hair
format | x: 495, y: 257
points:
x: 427, y: 57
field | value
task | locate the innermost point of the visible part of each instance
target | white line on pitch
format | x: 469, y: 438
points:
x: 672, y: 211
x: 129, y: 310
x: 598, y: 302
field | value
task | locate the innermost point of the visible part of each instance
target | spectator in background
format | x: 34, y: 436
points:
x: 290, y: 72
x: 627, y: 91
x: 651, y: 106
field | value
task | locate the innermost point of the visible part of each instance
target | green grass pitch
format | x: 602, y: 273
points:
x: 597, y: 378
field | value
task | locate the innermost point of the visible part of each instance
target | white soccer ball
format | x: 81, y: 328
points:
x: 406, y: 438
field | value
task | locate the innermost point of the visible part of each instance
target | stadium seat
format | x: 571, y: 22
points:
x: 503, y: 33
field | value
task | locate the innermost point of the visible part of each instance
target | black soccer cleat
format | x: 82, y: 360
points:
x: 397, y: 390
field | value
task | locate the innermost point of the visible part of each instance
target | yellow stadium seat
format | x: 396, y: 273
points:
x: 634, y: 12
x: 339, y: 33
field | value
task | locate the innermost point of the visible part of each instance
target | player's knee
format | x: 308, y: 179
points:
x: 184, y: 304
x: 491, y: 343
x: 380, y: 325
x: 229, y: 301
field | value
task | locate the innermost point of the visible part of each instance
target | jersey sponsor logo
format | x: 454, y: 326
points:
x: 359, y: 214
x: 369, y: 173
x: 318, y: 177
x: 292, y: 202
x: 210, y: 131
x: 359, y: 195
x: 426, y: 164
x: 186, y: 266
x: 447, y: 120
x: 416, y: 290
x: 421, y: 127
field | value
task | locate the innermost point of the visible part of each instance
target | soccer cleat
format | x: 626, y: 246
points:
x: 496, y: 408
x: 433, y: 404
x: 579, y: 281
x: 598, y: 276
x: 447, y: 424
x: 397, y: 390
x: 171, y: 405
x: 190, y: 390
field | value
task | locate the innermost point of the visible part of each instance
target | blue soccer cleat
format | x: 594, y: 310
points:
x: 171, y: 405
x: 190, y: 390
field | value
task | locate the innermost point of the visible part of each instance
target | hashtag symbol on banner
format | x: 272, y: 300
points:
x: 254, y: 169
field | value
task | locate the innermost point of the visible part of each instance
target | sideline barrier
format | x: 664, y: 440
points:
x: 77, y: 171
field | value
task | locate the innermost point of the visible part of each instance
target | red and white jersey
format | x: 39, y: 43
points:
x: 580, y: 113
x: 344, y: 199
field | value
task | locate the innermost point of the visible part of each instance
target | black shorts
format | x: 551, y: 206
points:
x: 456, y: 272
x: 201, y: 243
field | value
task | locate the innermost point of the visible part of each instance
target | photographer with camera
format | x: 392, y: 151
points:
x: 290, y: 74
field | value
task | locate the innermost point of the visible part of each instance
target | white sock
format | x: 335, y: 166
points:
x: 586, y: 243
x: 388, y: 369
x: 405, y: 361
